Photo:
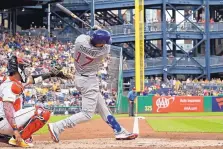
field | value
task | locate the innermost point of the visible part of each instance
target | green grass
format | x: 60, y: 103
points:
x: 186, y: 125
x: 185, y: 114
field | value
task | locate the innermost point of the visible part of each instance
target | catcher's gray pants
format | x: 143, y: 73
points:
x: 21, y: 118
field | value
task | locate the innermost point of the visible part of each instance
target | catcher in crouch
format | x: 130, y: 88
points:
x: 16, y: 122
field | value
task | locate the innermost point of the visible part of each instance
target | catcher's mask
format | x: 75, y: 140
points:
x: 18, y: 65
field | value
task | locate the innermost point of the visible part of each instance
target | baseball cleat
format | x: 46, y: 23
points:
x: 53, y: 133
x: 126, y: 136
x: 22, y: 144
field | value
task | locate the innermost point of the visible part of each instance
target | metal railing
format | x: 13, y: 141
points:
x: 115, y: 52
x: 214, y: 86
x: 157, y: 27
x: 191, y: 84
x: 34, y: 32
x: 129, y: 29
x: 87, y: 1
x: 154, y: 62
x: 64, y: 110
x: 189, y: 27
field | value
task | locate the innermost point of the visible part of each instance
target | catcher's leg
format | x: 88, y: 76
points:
x: 29, y: 120
x: 89, y: 101
x: 21, y: 117
x: 37, y: 121
x: 120, y: 132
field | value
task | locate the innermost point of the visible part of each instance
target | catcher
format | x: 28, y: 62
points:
x: 16, y: 122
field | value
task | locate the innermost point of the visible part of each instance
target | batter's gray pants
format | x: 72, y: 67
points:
x: 91, y: 100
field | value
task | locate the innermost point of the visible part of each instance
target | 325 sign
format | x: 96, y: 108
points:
x: 148, y: 108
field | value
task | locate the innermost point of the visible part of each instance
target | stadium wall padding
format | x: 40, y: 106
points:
x: 145, y: 104
x: 155, y: 104
x: 207, y: 103
x: 123, y: 105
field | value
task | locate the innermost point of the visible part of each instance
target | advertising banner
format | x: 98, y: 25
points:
x: 164, y: 104
x: 217, y: 104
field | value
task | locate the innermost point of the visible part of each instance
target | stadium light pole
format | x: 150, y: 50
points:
x: 92, y: 13
x: 48, y: 23
x: 10, y: 22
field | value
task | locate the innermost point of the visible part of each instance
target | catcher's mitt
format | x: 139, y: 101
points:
x: 58, y: 71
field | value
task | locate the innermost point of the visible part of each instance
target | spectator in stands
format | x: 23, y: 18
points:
x: 131, y: 98
x: 189, y: 87
x: 67, y: 102
x: 27, y: 95
x: 31, y: 101
x: 145, y: 92
x: 114, y: 94
x: 105, y: 63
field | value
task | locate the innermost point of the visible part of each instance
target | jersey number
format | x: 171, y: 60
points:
x: 87, y: 59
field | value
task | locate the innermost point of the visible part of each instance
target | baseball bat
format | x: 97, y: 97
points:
x: 65, y: 10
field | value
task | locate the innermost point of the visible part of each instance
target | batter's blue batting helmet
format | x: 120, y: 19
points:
x: 100, y: 36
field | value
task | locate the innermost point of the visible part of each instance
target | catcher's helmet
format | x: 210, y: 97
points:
x: 100, y: 36
x: 18, y: 65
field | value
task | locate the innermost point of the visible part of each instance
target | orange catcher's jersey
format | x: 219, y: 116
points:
x: 88, y: 58
x: 11, y: 90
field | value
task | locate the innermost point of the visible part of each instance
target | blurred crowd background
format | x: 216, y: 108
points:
x: 180, y: 87
x: 44, y: 53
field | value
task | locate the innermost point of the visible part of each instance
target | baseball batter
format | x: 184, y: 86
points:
x: 16, y: 122
x: 89, y: 52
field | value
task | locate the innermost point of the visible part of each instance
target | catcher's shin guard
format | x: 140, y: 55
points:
x: 35, y: 123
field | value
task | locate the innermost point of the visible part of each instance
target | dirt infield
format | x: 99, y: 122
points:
x: 97, y: 134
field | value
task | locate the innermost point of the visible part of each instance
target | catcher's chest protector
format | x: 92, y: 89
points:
x: 35, y: 123
x: 10, y: 87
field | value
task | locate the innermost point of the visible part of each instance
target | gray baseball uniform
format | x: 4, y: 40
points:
x: 87, y: 62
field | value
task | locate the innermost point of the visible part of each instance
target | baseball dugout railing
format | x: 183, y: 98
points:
x: 64, y: 110
x: 155, y: 104
x: 120, y: 85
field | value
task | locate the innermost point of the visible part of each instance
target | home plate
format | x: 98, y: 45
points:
x: 140, y: 117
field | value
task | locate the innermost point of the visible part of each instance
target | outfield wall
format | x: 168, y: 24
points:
x: 156, y: 104
x: 165, y: 104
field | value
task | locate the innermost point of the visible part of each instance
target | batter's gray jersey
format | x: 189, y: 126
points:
x: 88, y: 58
